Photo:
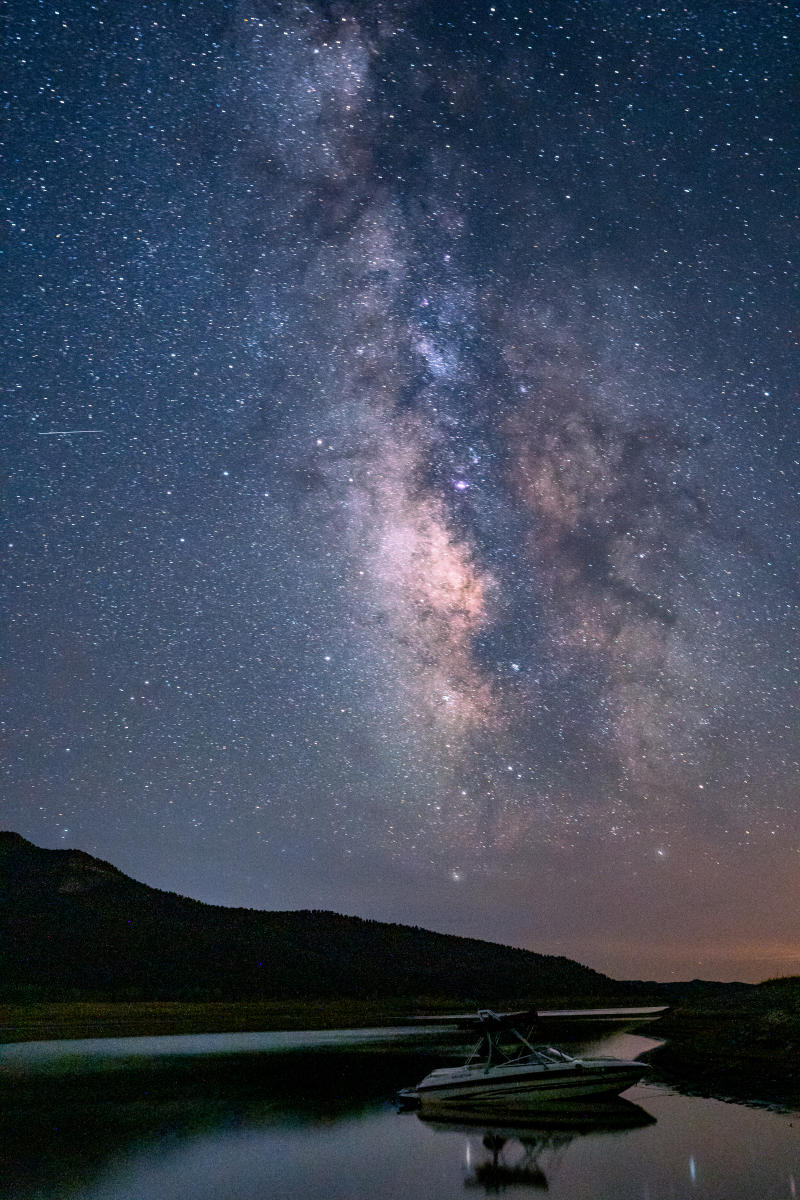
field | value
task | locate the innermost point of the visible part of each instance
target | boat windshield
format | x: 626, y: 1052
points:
x: 511, y: 1047
x: 545, y: 1055
x: 556, y: 1055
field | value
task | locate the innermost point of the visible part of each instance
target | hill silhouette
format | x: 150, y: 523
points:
x: 73, y: 927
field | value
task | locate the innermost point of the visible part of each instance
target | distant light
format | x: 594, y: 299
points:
x: 461, y: 485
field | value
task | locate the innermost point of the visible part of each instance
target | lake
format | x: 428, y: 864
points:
x: 308, y: 1116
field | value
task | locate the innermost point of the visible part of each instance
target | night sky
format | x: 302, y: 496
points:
x: 400, y: 464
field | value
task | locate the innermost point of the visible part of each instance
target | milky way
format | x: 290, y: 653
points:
x: 437, y: 561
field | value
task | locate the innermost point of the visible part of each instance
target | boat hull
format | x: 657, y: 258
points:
x: 525, y: 1092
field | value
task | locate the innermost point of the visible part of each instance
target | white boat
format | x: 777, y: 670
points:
x: 501, y: 1079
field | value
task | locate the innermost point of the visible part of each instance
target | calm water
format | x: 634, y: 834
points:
x: 309, y: 1117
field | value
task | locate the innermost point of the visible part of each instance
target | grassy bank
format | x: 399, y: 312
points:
x: 746, y: 1048
x: 45, y: 1022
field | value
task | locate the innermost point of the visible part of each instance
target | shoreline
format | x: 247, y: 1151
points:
x: 734, y: 1055
x: 54, y: 1021
x: 730, y: 1053
x: 51, y: 1021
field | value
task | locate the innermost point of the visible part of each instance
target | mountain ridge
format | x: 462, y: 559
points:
x: 76, y: 927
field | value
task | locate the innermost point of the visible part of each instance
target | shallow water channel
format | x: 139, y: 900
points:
x: 308, y: 1116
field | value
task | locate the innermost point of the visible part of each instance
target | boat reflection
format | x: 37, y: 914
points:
x: 519, y: 1152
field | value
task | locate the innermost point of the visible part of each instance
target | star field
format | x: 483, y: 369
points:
x: 401, y: 495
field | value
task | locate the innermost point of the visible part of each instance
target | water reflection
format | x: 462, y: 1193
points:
x: 63, y: 1127
x: 495, y: 1175
x: 318, y: 1124
x: 522, y: 1154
